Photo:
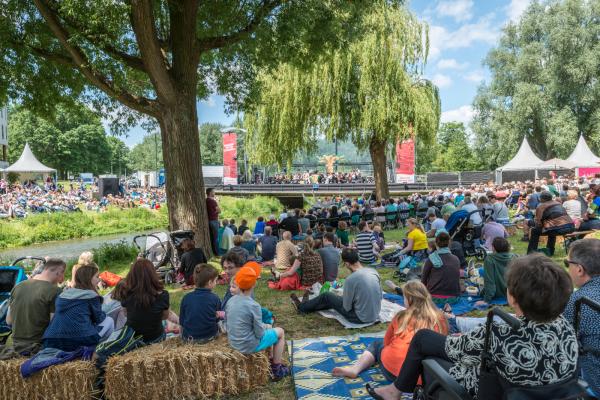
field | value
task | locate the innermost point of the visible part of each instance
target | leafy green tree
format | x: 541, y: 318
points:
x: 73, y: 140
x: 119, y: 156
x: 147, y: 155
x: 152, y: 60
x: 370, y: 91
x: 453, y: 150
x: 544, y: 83
x: 211, y: 143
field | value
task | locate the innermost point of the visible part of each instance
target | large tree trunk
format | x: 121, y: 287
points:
x: 186, y: 199
x: 378, y: 159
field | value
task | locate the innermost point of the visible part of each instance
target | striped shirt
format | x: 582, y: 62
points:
x: 364, y: 245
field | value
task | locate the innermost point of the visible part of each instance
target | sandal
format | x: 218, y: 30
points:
x: 371, y: 391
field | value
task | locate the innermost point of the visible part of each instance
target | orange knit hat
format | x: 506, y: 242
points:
x: 255, y: 266
x: 245, y: 278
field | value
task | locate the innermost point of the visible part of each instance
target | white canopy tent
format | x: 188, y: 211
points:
x: 557, y: 163
x: 582, y: 156
x: 525, y: 159
x: 28, y: 163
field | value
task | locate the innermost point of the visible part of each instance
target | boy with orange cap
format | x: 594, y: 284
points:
x: 246, y: 331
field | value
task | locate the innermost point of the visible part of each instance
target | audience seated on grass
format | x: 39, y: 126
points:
x: 551, y: 220
x: 249, y: 244
x: 306, y: 270
x: 238, y: 249
x: 245, y: 329
x: 201, y: 309
x: 232, y: 226
x: 538, y: 291
x: 290, y: 223
x: 31, y: 306
x: 225, y: 238
x: 379, y: 236
x: 259, y: 227
x: 416, y: 240
x: 490, y: 231
x: 390, y: 352
x: 231, y: 264
x: 343, y: 234
x: 191, y: 257
x: 330, y: 257
x: 78, y: 319
x: 366, y: 244
x: 87, y: 257
x: 441, y: 272
x: 361, y: 300
x: 286, y: 252
x: 583, y: 264
x: 243, y: 227
x: 145, y: 300
x: 267, y: 245
x: 436, y: 223
x: 495, y: 266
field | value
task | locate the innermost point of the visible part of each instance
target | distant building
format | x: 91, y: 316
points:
x: 4, y: 137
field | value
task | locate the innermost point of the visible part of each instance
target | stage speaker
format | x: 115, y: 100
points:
x: 108, y: 186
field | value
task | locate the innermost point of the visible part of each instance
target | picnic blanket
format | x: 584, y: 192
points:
x: 463, y: 306
x: 388, y: 310
x: 314, y: 359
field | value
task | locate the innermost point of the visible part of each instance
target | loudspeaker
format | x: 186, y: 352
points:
x: 108, y: 186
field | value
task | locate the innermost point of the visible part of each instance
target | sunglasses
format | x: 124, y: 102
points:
x: 569, y: 262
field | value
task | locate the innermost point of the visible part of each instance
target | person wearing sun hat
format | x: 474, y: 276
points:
x: 246, y: 331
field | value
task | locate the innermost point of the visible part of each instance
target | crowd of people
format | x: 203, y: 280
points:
x: 21, y: 199
x: 316, y: 177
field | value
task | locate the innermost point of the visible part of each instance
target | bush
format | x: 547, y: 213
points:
x: 113, y: 252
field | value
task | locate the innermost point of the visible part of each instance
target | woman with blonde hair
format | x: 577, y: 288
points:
x: 416, y: 240
x: 389, y: 353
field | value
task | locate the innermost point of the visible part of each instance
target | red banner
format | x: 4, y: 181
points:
x: 230, y: 159
x: 589, y: 172
x: 405, y: 161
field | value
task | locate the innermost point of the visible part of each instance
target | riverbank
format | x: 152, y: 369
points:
x: 42, y: 228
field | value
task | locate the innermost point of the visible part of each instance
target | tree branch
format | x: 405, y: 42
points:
x: 217, y: 42
x: 144, y: 27
x: 81, y: 62
x: 128, y: 59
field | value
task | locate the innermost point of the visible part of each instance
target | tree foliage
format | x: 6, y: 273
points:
x: 369, y: 91
x: 72, y: 141
x: 544, y: 83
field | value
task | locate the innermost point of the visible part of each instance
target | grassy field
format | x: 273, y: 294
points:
x: 302, y: 326
x: 40, y: 228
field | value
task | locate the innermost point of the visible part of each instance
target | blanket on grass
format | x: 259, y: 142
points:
x: 314, y: 359
x: 388, y: 310
x: 49, y: 357
x: 464, y: 305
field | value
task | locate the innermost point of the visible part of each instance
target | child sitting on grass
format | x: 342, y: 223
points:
x: 343, y: 234
x: 79, y: 320
x: 245, y: 329
x: 200, y: 309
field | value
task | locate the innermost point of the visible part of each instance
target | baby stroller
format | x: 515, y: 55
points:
x: 459, y: 229
x: 10, y: 276
x: 439, y: 385
x: 163, y: 250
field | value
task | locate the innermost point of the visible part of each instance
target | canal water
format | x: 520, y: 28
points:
x: 66, y: 249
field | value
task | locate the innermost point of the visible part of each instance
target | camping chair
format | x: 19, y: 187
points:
x: 439, y: 385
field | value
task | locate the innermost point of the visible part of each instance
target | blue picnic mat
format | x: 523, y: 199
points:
x: 314, y: 359
x: 463, y: 306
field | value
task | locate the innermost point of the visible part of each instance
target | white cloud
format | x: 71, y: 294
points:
x: 460, y: 10
x: 516, y: 8
x: 475, y: 76
x: 210, y: 102
x: 451, y: 63
x: 441, y: 80
x: 484, y: 30
x: 462, y: 114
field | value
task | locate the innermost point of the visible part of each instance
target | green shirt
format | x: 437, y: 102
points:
x: 494, y: 269
x: 31, y: 303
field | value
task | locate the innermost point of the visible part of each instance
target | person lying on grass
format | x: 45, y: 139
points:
x: 389, y: 353
x: 361, y: 301
x: 201, y: 309
x: 245, y: 329
x: 79, y: 320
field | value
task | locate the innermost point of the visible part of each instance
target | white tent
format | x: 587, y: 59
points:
x: 28, y: 163
x: 525, y: 159
x: 557, y: 163
x: 582, y: 156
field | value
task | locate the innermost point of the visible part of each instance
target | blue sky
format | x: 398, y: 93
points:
x: 461, y: 34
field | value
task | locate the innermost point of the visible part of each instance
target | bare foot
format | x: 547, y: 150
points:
x: 388, y: 392
x: 345, y: 372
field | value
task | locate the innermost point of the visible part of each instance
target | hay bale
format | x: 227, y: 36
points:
x: 70, y: 381
x: 177, y: 370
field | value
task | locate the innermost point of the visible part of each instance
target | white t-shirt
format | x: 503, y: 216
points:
x: 573, y: 208
x: 475, y: 217
x: 438, y: 224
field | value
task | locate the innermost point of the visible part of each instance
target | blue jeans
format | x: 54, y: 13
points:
x: 214, y: 235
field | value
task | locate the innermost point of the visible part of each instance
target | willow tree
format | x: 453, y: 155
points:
x: 371, y: 92
x: 151, y: 60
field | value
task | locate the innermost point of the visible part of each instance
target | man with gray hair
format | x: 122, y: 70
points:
x: 30, y: 309
x: 583, y: 264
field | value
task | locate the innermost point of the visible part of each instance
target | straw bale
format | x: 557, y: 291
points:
x: 70, y: 381
x: 177, y: 370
